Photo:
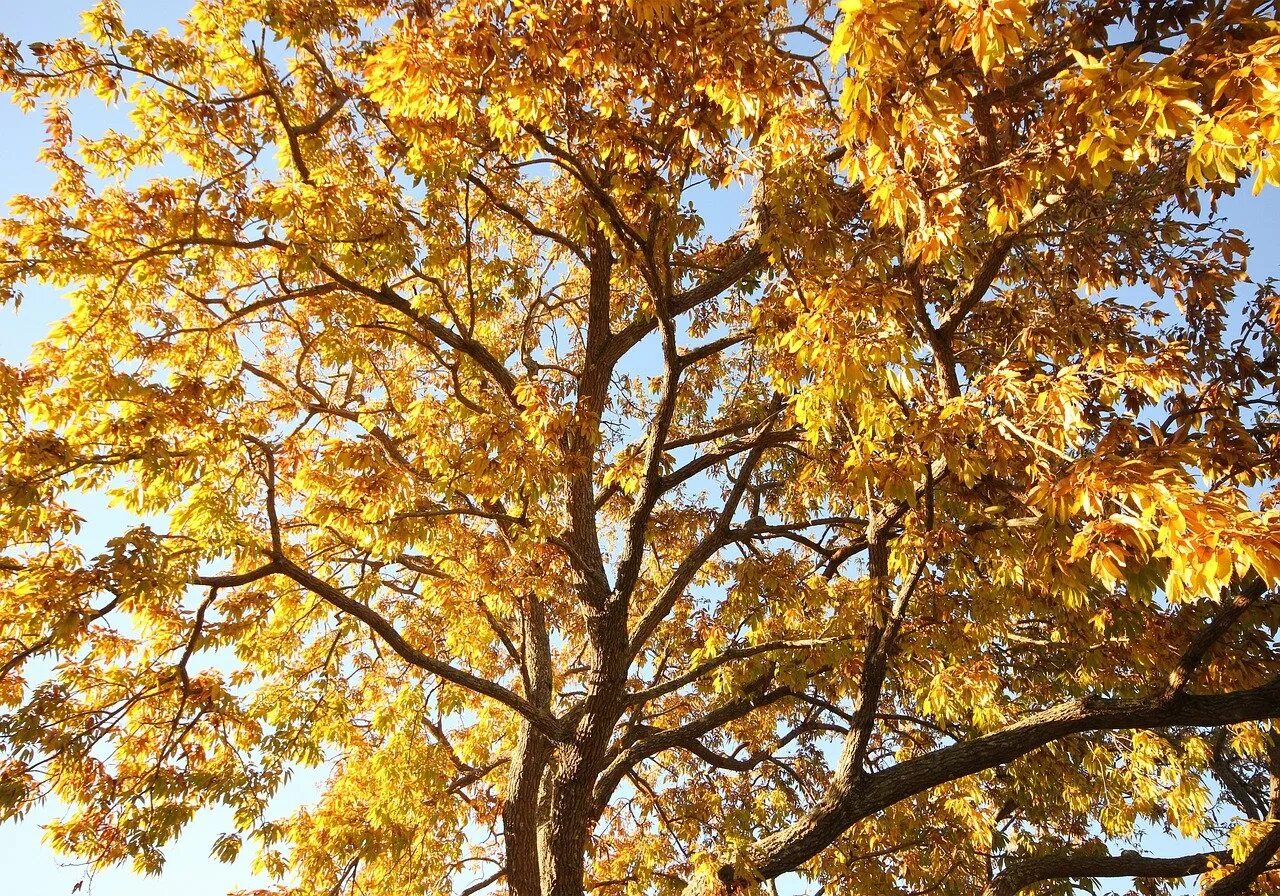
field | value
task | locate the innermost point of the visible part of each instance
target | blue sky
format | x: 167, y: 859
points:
x: 29, y: 867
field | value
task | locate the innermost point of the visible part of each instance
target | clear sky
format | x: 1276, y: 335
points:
x: 28, y: 866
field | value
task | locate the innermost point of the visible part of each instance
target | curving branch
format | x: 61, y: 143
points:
x: 1240, y: 879
x: 1023, y: 873
x: 539, y: 718
x: 655, y: 741
x: 1248, y: 594
x: 748, y: 262
x: 856, y: 795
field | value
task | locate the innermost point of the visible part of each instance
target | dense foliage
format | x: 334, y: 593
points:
x: 915, y: 532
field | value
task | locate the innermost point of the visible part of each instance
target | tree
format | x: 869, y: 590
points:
x: 919, y: 535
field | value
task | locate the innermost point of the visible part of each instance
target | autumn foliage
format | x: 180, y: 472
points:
x: 651, y: 446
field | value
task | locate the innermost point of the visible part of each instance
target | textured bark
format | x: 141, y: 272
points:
x: 1240, y: 879
x: 524, y: 814
x: 520, y: 814
x: 1081, y: 866
x: 855, y: 798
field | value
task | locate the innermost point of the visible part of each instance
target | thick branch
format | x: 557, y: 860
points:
x: 672, y: 738
x: 1078, y: 866
x: 1250, y: 593
x: 982, y: 281
x: 1240, y: 879
x: 788, y: 848
x: 726, y: 278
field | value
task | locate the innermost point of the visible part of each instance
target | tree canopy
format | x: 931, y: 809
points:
x: 916, y: 532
